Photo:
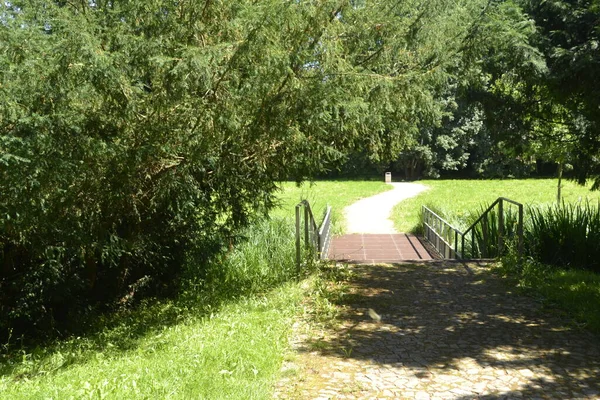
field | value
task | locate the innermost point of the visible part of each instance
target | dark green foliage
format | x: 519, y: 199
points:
x: 566, y: 235
x: 133, y: 134
x: 568, y: 37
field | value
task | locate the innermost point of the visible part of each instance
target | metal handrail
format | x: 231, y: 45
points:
x: 436, y: 231
x: 325, y: 234
x: 316, y: 238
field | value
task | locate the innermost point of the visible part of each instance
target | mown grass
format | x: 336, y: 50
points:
x: 224, y: 336
x: 456, y: 199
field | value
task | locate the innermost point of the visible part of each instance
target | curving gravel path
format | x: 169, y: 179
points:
x: 371, y: 214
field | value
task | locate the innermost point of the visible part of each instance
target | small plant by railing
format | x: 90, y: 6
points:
x: 486, y: 237
x: 316, y: 238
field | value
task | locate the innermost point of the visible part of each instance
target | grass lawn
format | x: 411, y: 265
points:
x: 457, y: 198
x: 235, y: 352
x: 337, y: 194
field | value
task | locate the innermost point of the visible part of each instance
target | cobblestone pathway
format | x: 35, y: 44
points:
x: 447, y: 331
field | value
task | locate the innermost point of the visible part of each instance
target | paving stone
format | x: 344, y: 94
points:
x: 501, y: 345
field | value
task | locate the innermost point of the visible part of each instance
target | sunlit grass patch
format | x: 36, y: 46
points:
x: 456, y: 199
x: 235, y: 352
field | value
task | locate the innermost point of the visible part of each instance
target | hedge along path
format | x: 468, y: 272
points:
x: 440, y: 330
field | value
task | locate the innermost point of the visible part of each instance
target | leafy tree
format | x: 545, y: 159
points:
x: 134, y: 132
x: 568, y: 37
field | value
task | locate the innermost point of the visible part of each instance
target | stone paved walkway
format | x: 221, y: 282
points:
x: 447, y: 331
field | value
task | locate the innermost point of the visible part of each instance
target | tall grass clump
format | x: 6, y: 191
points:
x: 565, y: 235
x: 262, y: 256
x: 483, y: 241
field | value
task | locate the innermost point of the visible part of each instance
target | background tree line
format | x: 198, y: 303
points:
x: 519, y: 101
x: 139, y: 137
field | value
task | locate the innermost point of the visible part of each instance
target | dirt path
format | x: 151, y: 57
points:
x: 447, y: 331
x: 371, y: 215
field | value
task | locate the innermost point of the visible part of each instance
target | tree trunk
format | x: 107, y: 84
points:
x: 560, y: 173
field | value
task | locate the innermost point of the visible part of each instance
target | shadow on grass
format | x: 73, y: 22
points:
x: 109, y: 333
x: 458, y: 319
x: 117, y: 333
x: 261, y: 261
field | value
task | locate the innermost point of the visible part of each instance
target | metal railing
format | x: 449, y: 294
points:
x: 316, y: 238
x: 442, y: 235
x: 488, y: 233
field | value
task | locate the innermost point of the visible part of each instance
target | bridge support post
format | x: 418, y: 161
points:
x: 500, y: 227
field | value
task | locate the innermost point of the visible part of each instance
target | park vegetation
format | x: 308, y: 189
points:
x: 559, y: 263
x: 140, y: 142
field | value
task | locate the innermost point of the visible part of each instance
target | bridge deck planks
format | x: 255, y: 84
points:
x: 377, y: 248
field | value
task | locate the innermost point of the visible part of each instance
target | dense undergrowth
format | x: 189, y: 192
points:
x: 224, y: 335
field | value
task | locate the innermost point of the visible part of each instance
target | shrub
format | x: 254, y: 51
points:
x: 566, y: 235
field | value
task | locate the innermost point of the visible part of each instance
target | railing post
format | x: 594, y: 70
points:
x: 455, y: 244
x: 298, y: 250
x: 520, y: 230
x: 500, y: 227
x: 306, y: 216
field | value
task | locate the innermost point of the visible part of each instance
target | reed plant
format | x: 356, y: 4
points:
x: 565, y: 235
x: 483, y: 239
